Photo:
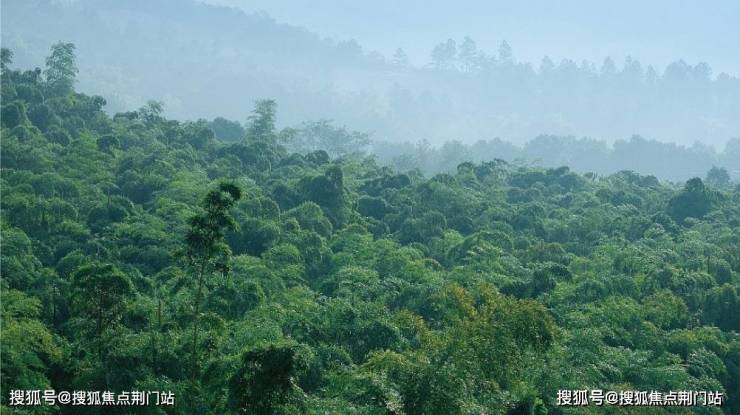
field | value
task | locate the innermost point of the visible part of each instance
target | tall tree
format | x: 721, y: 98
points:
x: 468, y: 54
x: 266, y: 379
x: 6, y: 58
x: 206, y: 251
x: 400, y: 58
x: 99, y: 295
x: 695, y: 201
x: 262, y: 121
x: 61, y: 68
x: 443, y: 55
x: 505, y: 54
x: 718, y: 177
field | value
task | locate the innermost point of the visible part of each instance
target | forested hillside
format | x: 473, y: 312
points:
x: 205, y: 61
x: 143, y: 253
x: 666, y: 161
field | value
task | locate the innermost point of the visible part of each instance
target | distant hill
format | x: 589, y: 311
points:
x: 205, y: 61
x: 201, y: 60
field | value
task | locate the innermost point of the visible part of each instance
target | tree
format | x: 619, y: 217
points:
x: 443, y: 55
x: 546, y: 66
x: 468, y: 54
x: 505, y: 53
x: 718, y: 177
x: 608, y: 68
x: 261, y: 124
x: 400, y: 58
x: 6, y: 58
x: 695, y: 201
x: 205, y: 249
x: 27, y: 344
x: 43, y: 117
x: 151, y: 112
x: 323, y: 135
x: 14, y: 114
x: 720, y: 307
x: 266, y: 379
x: 61, y: 68
x: 327, y: 191
x: 227, y: 130
x: 100, y: 292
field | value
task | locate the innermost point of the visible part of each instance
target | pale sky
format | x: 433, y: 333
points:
x: 655, y: 32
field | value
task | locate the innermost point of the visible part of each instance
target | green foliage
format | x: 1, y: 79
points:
x: 262, y: 121
x: 6, y: 58
x: 99, y: 292
x: 14, y: 115
x: 720, y: 307
x: 310, y: 284
x: 694, y: 201
x: 266, y: 381
x: 28, y: 346
x: 718, y: 177
x: 61, y: 68
x: 226, y: 130
x: 322, y: 135
x: 206, y: 250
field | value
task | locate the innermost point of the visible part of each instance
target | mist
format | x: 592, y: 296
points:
x: 475, y: 72
x: 227, y: 207
x: 658, y: 32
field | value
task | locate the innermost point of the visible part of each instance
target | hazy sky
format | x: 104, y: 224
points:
x: 655, y: 32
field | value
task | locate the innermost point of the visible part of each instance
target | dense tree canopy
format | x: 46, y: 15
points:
x: 143, y: 253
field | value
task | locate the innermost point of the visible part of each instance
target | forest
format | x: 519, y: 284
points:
x: 208, y: 61
x: 666, y: 161
x: 277, y: 271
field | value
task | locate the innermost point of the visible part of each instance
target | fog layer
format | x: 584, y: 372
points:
x: 205, y: 61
